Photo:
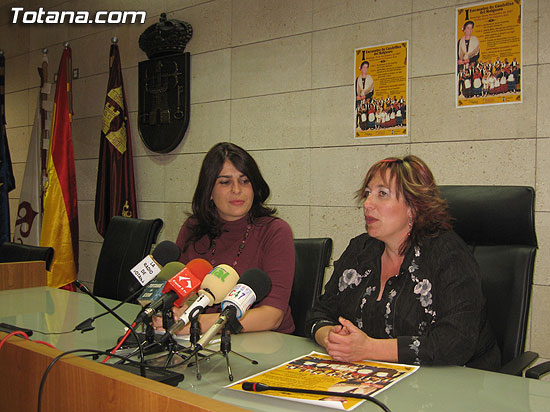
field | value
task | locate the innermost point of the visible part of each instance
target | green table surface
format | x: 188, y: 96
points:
x: 445, y: 388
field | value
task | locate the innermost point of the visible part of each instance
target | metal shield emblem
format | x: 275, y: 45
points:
x: 164, y: 101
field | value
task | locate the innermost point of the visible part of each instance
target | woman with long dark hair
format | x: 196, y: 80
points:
x: 231, y: 224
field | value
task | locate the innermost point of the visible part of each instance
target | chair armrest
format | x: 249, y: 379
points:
x: 537, y: 371
x: 519, y: 363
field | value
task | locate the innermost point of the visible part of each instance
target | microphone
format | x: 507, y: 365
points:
x: 253, y: 286
x: 151, y: 265
x: 260, y: 387
x: 214, y: 286
x: 153, y: 290
x: 184, y: 282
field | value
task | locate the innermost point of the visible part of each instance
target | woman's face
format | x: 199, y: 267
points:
x: 386, y: 217
x: 232, y: 193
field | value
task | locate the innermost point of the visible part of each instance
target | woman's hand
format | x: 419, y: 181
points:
x: 347, y: 343
x: 157, y: 320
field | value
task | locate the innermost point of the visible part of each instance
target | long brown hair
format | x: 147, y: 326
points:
x: 415, y: 182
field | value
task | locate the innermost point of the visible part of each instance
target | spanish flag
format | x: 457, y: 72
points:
x: 60, y: 220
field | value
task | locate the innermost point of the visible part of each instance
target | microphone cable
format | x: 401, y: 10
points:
x: 84, y: 289
x: 260, y: 387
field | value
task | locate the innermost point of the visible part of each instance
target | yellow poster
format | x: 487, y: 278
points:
x: 325, y: 380
x: 381, y: 90
x: 488, y: 53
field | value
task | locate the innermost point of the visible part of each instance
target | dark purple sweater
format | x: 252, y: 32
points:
x: 269, y: 247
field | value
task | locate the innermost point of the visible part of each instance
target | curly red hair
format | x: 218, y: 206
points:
x: 413, y: 180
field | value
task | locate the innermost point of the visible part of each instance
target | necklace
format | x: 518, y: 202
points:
x: 239, y: 251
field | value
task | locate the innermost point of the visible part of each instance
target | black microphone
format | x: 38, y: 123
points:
x: 260, y: 387
x: 84, y: 289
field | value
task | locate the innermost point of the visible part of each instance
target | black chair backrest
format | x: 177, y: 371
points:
x: 127, y: 241
x: 16, y: 252
x: 498, y: 223
x: 312, y: 257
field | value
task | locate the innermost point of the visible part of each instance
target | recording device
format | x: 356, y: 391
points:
x: 181, y: 284
x: 214, y: 287
x: 254, y: 285
x: 151, y: 265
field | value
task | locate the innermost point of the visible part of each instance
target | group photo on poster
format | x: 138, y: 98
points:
x: 381, y: 90
x: 488, y: 53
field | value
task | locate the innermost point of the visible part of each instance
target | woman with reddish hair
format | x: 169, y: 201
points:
x: 409, y: 289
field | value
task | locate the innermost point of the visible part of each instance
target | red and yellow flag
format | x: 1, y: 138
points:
x: 60, y: 221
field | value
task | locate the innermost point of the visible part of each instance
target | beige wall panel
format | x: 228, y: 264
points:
x: 543, y: 106
x: 543, y: 175
x: 17, y: 109
x: 275, y: 121
x: 542, y: 260
x: 275, y: 66
x: 86, y: 137
x: 337, y: 173
x: 128, y: 42
x: 210, y: 76
x: 87, y: 230
x: 287, y: 172
x: 88, y: 256
x: 149, y: 174
x: 44, y: 35
x: 297, y: 217
x: 174, y: 216
x: 544, y: 32
x: 332, y: 119
x: 19, y: 39
x: 91, y: 53
x: 341, y: 224
x: 332, y: 50
x: 434, y: 117
x: 182, y: 174
x: 89, y: 95
x: 182, y: 4
x: 86, y: 178
x: 18, y: 142
x: 433, y: 45
x: 540, y: 313
x: 422, y: 5
x: 211, y: 25
x: 154, y: 210
x: 332, y: 13
x: 17, y: 73
x: 260, y: 20
x: 209, y: 124
x: 498, y: 162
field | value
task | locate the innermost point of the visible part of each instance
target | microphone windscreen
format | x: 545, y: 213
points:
x: 220, y: 281
x: 165, y: 252
x: 258, y: 281
x: 170, y: 270
x: 199, y: 268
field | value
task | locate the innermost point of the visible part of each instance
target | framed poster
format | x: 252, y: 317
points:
x: 380, y: 92
x: 488, y: 53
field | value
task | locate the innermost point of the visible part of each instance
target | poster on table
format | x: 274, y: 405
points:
x: 381, y: 90
x: 488, y: 53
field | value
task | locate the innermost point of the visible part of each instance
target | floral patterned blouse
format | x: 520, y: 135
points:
x: 434, y: 306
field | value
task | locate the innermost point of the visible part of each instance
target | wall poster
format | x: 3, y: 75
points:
x: 381, y: 90
x: 488, y: 53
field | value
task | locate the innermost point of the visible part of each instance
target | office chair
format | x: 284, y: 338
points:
x: 312, y: 257
x: 16, y: 252
x: 127, y: 241
x: 498, y: 223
